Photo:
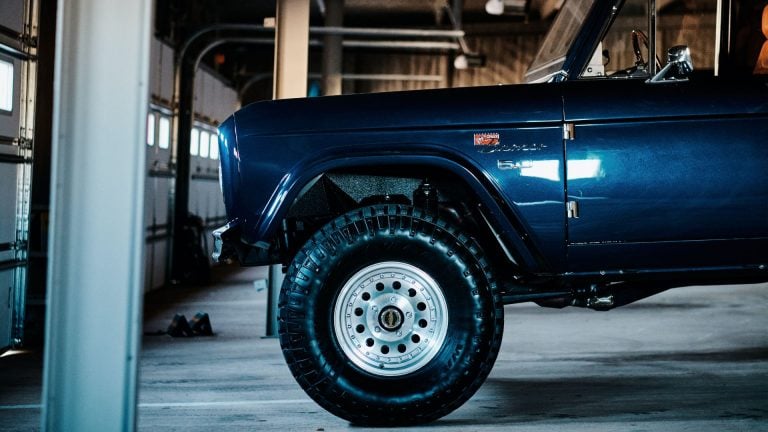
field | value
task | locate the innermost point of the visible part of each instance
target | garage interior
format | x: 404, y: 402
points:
x: 109, y: 154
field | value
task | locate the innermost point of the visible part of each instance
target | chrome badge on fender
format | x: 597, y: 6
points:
x: 487, y: 139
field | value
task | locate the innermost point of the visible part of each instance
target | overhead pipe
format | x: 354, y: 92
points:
x: 376, y: 44
x: 332, y: 49
x: 352, y: 77
x: 332, y: 30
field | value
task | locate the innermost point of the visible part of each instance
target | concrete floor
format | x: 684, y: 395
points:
x: 691, y: 359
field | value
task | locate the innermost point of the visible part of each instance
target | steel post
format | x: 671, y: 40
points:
x: 95, y: 269
x: 332, y: 49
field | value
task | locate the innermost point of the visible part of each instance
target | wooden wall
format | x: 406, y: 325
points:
x: 509, y: 55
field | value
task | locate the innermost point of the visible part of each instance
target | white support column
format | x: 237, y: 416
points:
x: 291, y: 49
x: 95, y: 269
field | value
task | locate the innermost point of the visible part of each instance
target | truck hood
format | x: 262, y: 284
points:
x: 507, y: 104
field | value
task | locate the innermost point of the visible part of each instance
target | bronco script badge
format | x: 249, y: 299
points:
x: 487, y: 139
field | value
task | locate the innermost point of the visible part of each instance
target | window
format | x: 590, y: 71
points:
x: 624, y: 50
x: 561, y: 36
x: 164, y: 139
x: 194, y: 142
x: 214, y: 151
x: 616, y: 55
x: 150, y: 129
x: 6, y: 86
x: 204, y: 141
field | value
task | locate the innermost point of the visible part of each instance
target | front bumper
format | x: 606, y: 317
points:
x: 227, y: 243
x: 223, y: 238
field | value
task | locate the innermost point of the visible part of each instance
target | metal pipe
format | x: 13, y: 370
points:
x: 380, y: 44
x: 392, y: 77
x: 361, y: 31
x: 332, y: 49
x: 455, y: 15
x: 390, y: 44
x: 343, y: 31
x: 360, y: 77
x: 652, y: 38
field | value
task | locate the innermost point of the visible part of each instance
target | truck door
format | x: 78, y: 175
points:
x: 667, y: 175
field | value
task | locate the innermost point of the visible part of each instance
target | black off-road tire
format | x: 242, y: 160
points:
x: 381, y: 234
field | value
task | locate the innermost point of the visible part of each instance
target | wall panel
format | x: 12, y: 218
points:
x: 12, y: 15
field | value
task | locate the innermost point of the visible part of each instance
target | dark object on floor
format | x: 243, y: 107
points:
x: 195, y: 266
x: 179, y: 327
x: 201, y: 324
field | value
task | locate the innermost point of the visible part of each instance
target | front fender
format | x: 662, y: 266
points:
x: 501, y: 216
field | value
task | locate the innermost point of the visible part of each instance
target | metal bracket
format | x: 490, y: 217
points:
x: 568, y: 131
x: 25, y: 143
x: 573, y: 209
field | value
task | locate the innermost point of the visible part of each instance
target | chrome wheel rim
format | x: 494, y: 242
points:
x: 390, y: 318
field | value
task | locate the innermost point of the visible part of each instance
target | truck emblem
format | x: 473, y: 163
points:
x: 500, y: 148
x: 487, y: 139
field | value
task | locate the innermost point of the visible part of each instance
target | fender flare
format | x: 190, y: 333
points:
x: 501, y: 217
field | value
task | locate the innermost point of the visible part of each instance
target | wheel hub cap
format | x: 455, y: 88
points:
x: 390, y: 318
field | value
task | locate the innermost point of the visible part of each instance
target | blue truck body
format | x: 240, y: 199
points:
x: 667, y: 177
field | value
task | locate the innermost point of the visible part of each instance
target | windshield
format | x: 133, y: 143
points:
x: 551, y: 55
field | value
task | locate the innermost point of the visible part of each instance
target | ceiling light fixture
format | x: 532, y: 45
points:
x: 506, y: 7
x: 494, y: 7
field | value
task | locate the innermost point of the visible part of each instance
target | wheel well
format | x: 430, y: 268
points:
x: 339, y: 191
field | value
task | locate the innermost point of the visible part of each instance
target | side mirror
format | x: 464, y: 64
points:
x: 679, y: 64
x: 680, y: 57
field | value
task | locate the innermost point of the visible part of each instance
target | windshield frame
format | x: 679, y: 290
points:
x: 582, y: 44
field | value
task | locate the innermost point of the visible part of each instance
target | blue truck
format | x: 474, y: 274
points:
x: 407, y: 220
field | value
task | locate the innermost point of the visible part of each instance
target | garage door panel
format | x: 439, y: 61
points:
x: 6, y: 314
x: 8, y: 177
x: 162, y: 191
x: 148, y: 262
x: 166, y: 72
x: 158, y: 263
x: 12, y: 15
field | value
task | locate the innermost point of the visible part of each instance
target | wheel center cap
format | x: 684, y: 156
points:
x: 391, y: 318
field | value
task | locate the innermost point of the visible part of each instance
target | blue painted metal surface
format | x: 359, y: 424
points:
x: 668, y: 177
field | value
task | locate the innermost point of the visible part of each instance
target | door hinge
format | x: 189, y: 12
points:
x: 568, y: 131
x: 573, y: 209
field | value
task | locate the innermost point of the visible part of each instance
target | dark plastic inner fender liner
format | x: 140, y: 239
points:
x: 503, y: 218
